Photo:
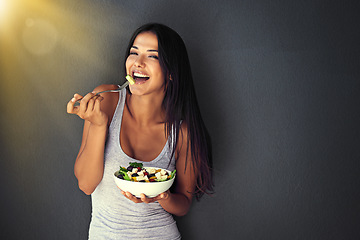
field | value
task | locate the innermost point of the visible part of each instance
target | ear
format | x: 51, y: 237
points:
x: 169, y: 76
x: 168, y: 81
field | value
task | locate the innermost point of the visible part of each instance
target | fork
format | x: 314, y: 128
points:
x: 114, y: 90
x: 129, y: 79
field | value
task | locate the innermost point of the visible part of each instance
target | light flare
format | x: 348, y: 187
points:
x: 46, y: 49
x: 3, y: 6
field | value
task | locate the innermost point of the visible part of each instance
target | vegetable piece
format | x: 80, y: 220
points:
x: 127, y: 177
x: 135, y: 164
x: 130, y: 79
x: 172, y: 175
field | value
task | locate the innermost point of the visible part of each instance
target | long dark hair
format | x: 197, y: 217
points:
x: 180, y: 102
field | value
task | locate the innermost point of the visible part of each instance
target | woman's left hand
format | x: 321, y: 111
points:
x: 144, y: 199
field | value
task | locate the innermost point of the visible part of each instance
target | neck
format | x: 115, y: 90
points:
x: 144, y: 110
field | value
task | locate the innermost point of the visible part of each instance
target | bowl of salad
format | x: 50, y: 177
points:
x: 137, y: 179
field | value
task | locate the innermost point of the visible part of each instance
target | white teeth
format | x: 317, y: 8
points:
x: 139, y: 75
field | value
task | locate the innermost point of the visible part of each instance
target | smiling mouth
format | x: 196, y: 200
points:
x: 140, y: 78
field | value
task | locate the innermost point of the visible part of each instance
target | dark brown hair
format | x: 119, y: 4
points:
x: 180, y: 102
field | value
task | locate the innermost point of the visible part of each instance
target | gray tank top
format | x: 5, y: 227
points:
x: 114, y: 216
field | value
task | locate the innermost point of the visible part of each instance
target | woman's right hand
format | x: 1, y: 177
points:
x: 89, y: 108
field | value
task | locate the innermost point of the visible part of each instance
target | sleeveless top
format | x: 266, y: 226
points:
x: 113, y: 215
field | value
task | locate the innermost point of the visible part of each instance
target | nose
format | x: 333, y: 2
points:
x: 139, y: 61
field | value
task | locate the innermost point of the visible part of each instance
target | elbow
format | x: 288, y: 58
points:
x: 86, y: 189
x: 181, y: 214
x: 84, y: 185
x: 183, y: 206
x: 184, y: 210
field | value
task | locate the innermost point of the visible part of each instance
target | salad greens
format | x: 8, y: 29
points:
x: 137, y: 173
x: 136, y: 165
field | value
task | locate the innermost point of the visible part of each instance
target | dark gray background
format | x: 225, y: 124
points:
x: 278, y: 86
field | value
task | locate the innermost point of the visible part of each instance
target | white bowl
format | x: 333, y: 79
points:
x: 150, y: 189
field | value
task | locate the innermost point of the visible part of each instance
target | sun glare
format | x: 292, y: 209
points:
x: 6, y: 12
x: 3, y: 5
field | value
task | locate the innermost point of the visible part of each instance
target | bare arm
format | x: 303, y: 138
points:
x: 89, y: 164
x: 179, y: 201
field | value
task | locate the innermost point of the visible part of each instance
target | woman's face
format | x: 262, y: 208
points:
x: 144, y: 66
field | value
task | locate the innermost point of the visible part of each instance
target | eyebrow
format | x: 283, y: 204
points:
x: 150, y: 50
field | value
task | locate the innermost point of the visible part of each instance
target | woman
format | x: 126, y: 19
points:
x: 157, y: 122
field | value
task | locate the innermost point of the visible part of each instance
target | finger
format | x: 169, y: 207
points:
x: 94, y: 104
x: 144, y: 198
x: 122, y: 192
x: 98, y: 100
x: 162, y: 196
x: 78, y: 96
x: 90, y: 106
x: 132, y: 197
x: 154, y: 199
x: 71, y: 104
x: 84, y: 102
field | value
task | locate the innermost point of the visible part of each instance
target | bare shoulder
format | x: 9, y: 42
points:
x: 104, y: 87
x: 184, y: 129
x: 183, y: 136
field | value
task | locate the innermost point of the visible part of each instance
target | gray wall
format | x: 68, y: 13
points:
x: 278, y: 86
